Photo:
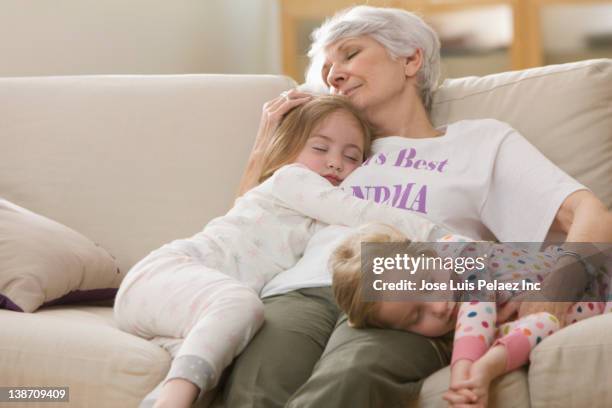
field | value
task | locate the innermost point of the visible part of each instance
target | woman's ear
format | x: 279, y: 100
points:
x: 413, y: 63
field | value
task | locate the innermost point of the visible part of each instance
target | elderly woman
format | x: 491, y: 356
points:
x: 386, y: 61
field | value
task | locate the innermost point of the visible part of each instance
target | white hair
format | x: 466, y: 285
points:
x: 399, y: 31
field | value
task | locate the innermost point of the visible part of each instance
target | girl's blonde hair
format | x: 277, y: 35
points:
x: 347, y: 271
x: 296, y: 127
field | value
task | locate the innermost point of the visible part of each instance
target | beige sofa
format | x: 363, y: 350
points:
x: 135, y: 161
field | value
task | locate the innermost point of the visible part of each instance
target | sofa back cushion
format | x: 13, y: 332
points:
x: 564, y: 110
x: 131, y: 162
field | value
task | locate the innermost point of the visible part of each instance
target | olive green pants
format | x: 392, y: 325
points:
x: 305, y: 355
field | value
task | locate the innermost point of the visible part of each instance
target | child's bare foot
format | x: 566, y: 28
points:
x: 177, y: 393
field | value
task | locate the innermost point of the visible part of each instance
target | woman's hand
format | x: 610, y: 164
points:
x: 560, y: 284
x: 272, y: 113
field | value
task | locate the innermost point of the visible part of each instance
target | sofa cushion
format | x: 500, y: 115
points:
x: 81, y: 348
x: 44, y: 262
x: 574, y: 366
x: 564, y: 110
x: 131, y: 161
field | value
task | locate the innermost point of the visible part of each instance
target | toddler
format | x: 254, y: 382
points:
x: 482, y: 349
x: 199, y: 297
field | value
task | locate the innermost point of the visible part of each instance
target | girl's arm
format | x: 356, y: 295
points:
x: 475, y: 331
x: 476, y: 387
x: 305, y: 191
x: 508, y: 353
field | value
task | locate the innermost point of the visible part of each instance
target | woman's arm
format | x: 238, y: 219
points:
x: 584, y: 218
x: 273, y: 112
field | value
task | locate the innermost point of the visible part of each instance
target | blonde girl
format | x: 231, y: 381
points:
x: 199, y: 297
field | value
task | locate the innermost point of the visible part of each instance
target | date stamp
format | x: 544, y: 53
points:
x: 34, y: 394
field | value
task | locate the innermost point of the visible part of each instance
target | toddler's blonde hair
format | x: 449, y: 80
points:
x: 347, y: 275
x: 347, y: 278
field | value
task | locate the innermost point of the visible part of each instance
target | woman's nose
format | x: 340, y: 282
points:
x: 336, y: 77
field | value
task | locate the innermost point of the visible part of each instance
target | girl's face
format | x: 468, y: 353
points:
x: 431, y: 319
x: 362, y: 69
x: 335, y: 147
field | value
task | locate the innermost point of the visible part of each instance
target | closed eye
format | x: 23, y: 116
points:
x: 417, y: 317
x: 319, y: 149
x: 354, y: 159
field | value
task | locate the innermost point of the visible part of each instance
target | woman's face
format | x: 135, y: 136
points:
x: 362, y: 69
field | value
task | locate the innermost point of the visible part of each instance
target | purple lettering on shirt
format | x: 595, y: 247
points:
x: 397, y: 192
x: 405, y: 156
x: 442, y: 164
x: 420, y: 201
x: 379, y: 158
x: 401, y: 196
x: 357, y: 192
x: 381, y: 194
x: 404, y: 196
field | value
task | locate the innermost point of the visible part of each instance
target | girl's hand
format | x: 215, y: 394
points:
x: 479, y: 380
x: 456, y: 396
x: 272, y: 113
x: 461, y: 398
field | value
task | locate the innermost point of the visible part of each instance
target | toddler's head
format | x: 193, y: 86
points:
x: 327, y: 134
x: 428, y: 318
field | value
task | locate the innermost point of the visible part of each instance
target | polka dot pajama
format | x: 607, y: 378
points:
x: 476, y: 330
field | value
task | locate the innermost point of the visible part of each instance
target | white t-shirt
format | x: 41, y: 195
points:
x: 481, y: 179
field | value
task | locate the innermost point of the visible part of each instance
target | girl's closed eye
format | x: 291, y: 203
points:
x: 416, y: 316
x: 352, y: 158
x: 319, y: 148
x: 412, y: 318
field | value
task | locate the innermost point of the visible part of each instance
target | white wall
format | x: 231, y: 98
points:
x: 66, y: 37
